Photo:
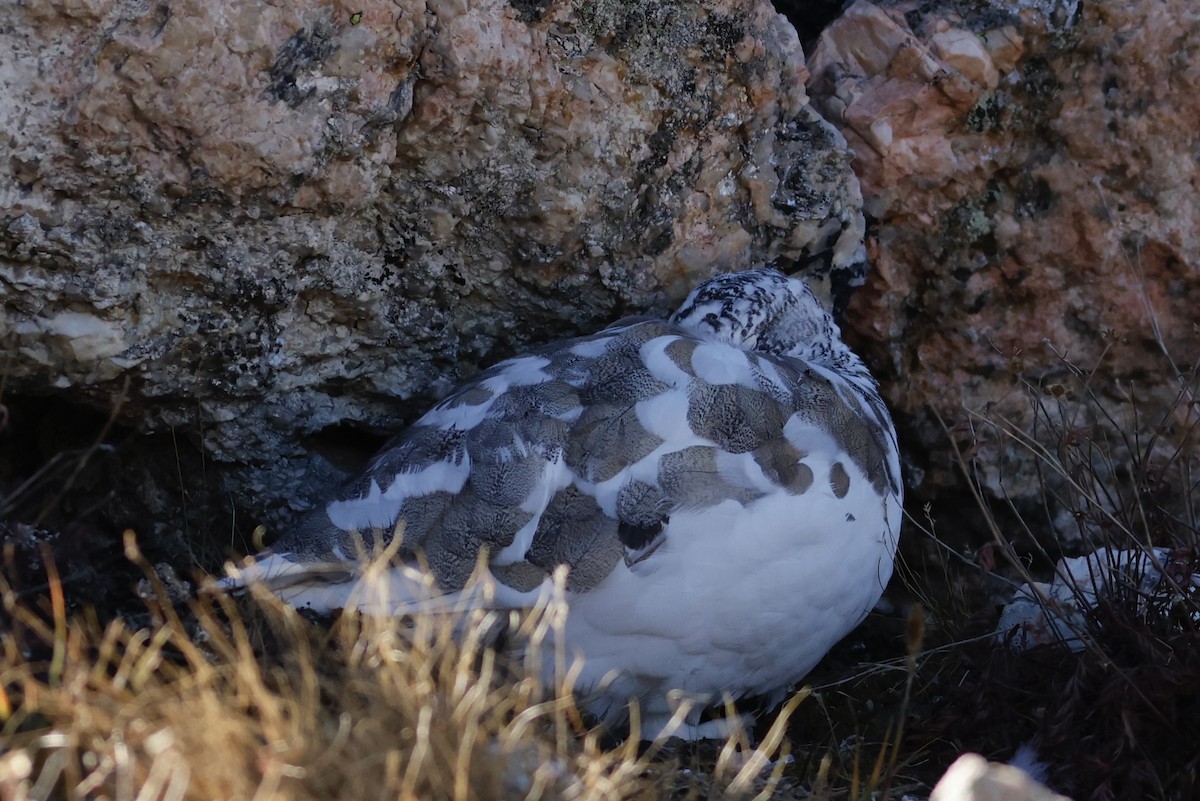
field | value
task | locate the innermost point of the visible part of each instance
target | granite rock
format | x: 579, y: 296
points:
x: 1030, y: 172
x: 253, y: 222
x: 973, y: 778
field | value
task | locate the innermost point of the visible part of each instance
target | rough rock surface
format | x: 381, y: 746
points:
x: 973, y: 778
x: 266, y: 219
x: 1031, y: 170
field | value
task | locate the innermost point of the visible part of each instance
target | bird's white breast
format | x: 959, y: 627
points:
x: 792, y: 571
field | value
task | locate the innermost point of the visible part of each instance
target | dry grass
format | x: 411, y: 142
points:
x: 107, y: 695
x: 211, y: 698
x: 248, y: 699
x: 1120, y: 718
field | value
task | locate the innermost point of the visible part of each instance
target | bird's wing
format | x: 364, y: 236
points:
x: 578, y: 455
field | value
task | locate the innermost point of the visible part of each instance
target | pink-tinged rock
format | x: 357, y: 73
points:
x: 281, y: 217
x: 1032, y: 174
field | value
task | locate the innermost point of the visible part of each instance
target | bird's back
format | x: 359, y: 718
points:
x: 722, y: 490
x: 578, y: 455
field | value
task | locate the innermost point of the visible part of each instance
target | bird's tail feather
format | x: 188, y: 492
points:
x: 380, y: 586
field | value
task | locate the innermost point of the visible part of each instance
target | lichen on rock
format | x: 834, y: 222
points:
x: 1031, y: 171
x: 274, y: 219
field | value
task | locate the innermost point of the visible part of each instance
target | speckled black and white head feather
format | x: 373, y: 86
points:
x: 756, y: 310
x: 723, y: 489
x: 765, y: 311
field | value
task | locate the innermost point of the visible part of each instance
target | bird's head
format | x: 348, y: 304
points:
x: 764, y: 310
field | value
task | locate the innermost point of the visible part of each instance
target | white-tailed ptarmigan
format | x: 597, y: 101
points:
x: 723, y: 488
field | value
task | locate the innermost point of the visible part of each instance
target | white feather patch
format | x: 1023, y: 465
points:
x: 665, y: 416
x: 719, y: 364
x: 462, y: 417
x: 660, y: 365
x: 592, y: 348
x: 521, y: 372
x: 380, y: 508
